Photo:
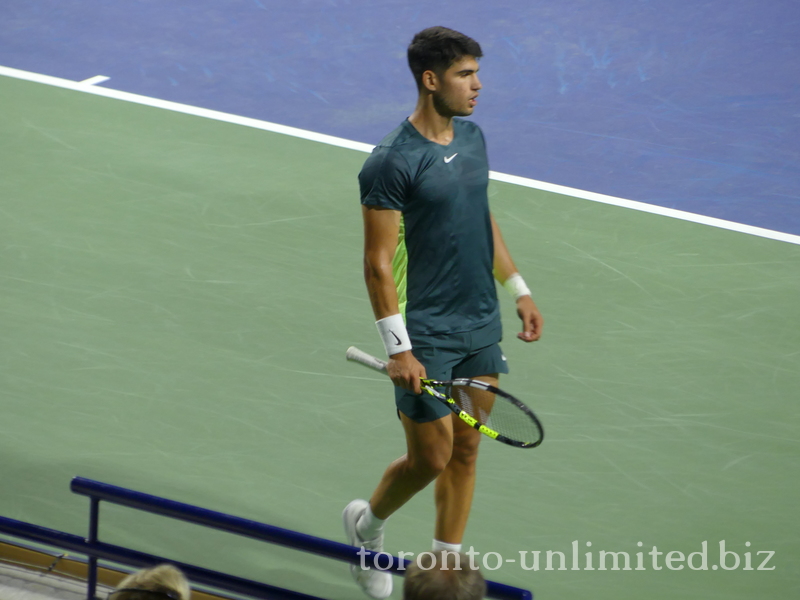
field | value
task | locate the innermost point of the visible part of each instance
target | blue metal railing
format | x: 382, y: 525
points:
x: 92, y: 547
x: 124, y: 556
x: 217, y: 520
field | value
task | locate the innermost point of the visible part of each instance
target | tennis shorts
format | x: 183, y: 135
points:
x: 451, y: 356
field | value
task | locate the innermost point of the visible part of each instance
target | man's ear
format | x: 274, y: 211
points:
x: 430, y: 81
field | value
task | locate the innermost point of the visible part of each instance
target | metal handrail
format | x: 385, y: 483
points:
x: 125, y: 556
x: 97, y: 491
x: 222, y: 521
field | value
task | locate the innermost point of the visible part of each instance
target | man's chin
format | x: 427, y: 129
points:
x: 451, y: 112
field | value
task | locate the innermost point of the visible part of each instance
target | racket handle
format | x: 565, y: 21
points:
x: 365, y: 359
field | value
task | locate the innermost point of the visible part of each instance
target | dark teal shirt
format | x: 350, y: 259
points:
x: 441, y: 192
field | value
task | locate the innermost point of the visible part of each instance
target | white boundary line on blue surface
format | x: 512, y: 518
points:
x: 95, y: 80
x: 88, y: 87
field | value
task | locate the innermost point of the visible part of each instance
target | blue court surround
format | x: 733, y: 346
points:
x: 679, y: 104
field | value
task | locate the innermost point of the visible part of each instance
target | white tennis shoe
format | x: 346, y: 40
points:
x: 375, y: 583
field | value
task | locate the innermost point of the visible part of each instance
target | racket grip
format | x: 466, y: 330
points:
x: 365, y: 359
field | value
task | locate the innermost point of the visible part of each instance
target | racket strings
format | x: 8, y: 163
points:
x: 496, y: 412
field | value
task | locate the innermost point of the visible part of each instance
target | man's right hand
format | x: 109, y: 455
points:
x: 406, y: 371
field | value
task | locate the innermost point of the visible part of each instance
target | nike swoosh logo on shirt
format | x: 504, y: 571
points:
x: 447, y: 159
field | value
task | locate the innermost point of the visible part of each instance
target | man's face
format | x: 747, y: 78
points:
x: 457, y: 92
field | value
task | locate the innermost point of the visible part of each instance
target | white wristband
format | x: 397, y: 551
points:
x: 515, y: 285
x: 394, y: 335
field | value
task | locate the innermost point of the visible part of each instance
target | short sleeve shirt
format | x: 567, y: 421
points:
x: 446, y: 230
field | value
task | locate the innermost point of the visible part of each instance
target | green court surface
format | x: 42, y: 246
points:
x: 177, y: 297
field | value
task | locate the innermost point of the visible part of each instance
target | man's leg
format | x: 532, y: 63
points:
x: 456, y: 483
x: 430, y: 447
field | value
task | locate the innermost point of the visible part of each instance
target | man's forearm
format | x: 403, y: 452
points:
x: 381, y: 288
x: 503, y: 264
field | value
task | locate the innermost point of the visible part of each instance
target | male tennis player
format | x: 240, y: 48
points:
x: 432, y: 251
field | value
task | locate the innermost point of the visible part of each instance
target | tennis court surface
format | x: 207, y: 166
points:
x: 178, y: 294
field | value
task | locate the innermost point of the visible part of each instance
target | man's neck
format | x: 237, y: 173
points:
x: 430, y: 124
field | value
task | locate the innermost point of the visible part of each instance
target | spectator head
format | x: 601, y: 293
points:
x: 163, y: 582
x: 443, y: 576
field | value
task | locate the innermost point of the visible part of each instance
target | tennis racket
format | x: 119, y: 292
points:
x: 488, y: 409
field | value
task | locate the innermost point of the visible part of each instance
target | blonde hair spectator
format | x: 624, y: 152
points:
x: 443, y: 576
x: 164, y: 582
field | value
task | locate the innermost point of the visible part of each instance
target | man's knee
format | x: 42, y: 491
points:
x: 430, y: 464
x: 465, y: 447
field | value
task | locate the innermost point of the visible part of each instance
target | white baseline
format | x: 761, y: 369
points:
x: 88, y: 87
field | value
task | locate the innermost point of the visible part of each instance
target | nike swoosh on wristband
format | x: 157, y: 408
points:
x: 397, y: 338
x: 447, y: 159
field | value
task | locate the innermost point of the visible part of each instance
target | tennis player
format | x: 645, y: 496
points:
x: 431, y: 253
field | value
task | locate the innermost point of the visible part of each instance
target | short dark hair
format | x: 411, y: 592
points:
x: 451, y: 578
x: 437, y: 48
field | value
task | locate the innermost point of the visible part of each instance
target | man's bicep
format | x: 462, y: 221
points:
x: 381, y: 230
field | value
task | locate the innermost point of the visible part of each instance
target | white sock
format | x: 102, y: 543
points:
x: 440, y: 546
x: 369, y: 526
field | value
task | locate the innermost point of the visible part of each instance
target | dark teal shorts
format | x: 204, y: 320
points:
x: 451, y: 356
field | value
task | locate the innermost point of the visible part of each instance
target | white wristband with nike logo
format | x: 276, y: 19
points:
x: 394, y: 335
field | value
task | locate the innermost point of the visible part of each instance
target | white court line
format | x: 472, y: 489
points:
x: 88, y: 87
x: 649, y: 208
x: 95, y: 80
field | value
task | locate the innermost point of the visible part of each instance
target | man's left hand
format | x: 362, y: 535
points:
x: 532, y: 321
